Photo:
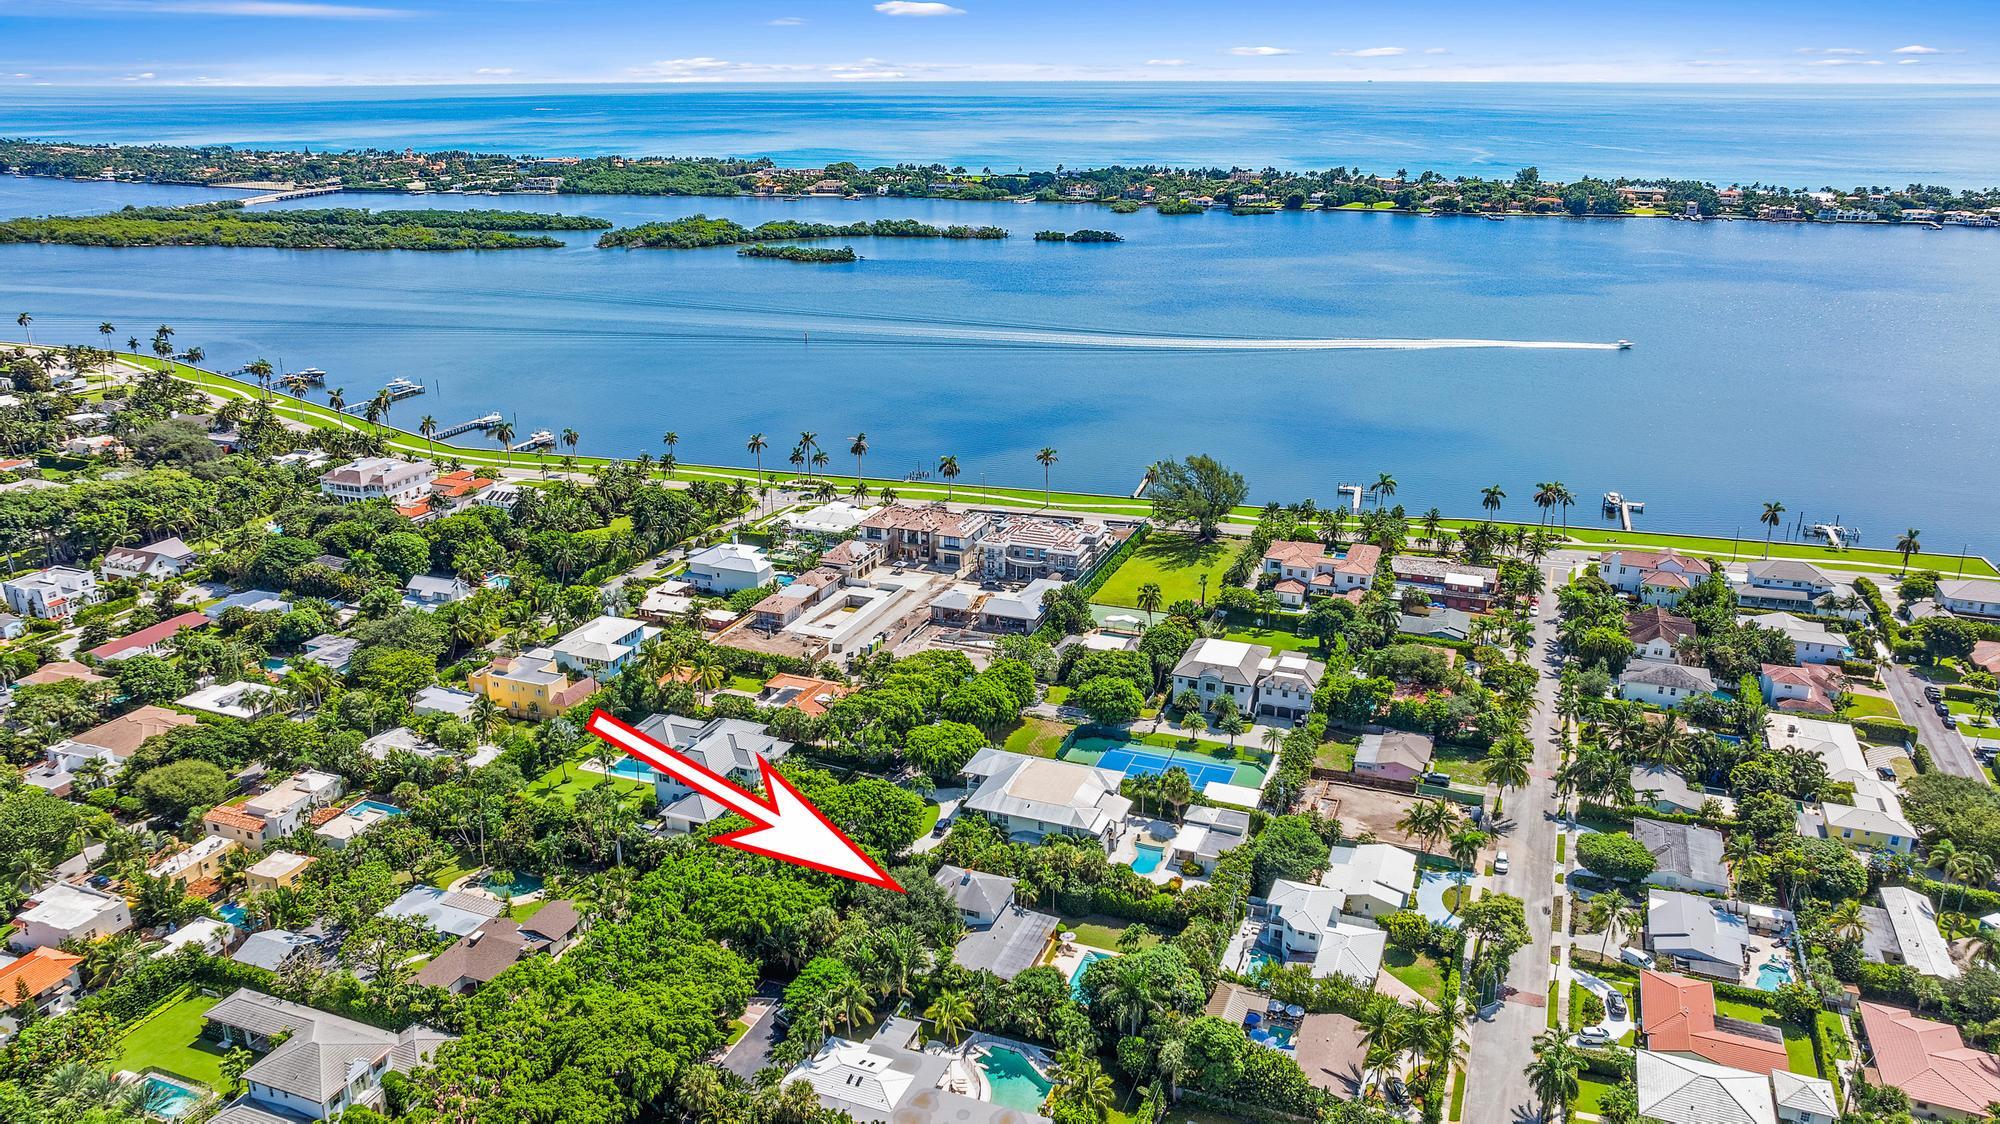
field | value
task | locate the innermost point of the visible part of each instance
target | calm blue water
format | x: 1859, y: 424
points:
x: 1772, y: 975
x: 1807, y: 136
x: 1013, y: 1081
x: 1846, y: 372
x: 633, y: 769
x: 1076, y: 977
x: 1147, y: 860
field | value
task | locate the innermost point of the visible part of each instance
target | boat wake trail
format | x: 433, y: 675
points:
x: 1054, y: 338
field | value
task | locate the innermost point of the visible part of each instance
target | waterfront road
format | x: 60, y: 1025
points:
x: 1502, y: 1037
x: 1948, y: 750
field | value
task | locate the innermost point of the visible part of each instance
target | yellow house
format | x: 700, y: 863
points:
x: 279, y: 868
x: 196, y: 863
x: 530, y: 686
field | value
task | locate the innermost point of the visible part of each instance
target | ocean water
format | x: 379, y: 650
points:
x: 1847, y: 372
x: 1844, y: 371
x: 1803, y: 136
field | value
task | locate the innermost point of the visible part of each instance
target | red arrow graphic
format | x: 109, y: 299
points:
x: 786, y: 825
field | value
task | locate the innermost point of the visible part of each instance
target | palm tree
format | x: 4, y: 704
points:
x: 808, y: 442
x: 337, y: 401
x: 1846, y: 921
x: 950, y: 1014
x: 948, y: 468
x: 1970, y: 869
x: 1507, y: 766
x: 1083, y: 1086
x: 1563, y: 498
x: 1908, y: 545
x: 105, y: 329
x: 1384, y: 485
x: 858, y: 448
x: 757, y: 445
x: 1385, y: 1030
x: 1465, y: 847
x: 504, y: 435
x: 569, y: 439
x: 1149, y: 599
x: 24, y: 320
x: 1045, y: 458
x: 427, y: 427
x: 850, y: 1003
x: 1774, y: 513
x: 1489, y: 498
x: 1552, y: 1075
x: 1616, y: 919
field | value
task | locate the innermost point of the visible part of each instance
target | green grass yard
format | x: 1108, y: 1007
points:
x: 1465, y: 766
x: 1100, y: 931
x: 1036, y: 737
x: 1798, y: 1040
x: 1869, y: 706
x: 1590, y: 1093
x: 1276, y: 639
x: 1420, y: 972
x: 170, y: 1040
x: 1176, y: 562
x: 553, y: 784
x: 1337, y: 752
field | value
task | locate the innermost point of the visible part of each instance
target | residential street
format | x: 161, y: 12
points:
x: 1948, y: 750
x: 1502, y: 1043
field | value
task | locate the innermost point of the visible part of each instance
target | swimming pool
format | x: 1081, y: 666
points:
x: 1275, y: 1035
x: 1121, y: 757
x: 1148, y: 859
x: 363, y: 807
x: 1076, y: 977
x: 232, y: 913
x: 1258, y: 958
x: 1012, y: 1081
x: 168, y: 1099
x: 633, y: 769
x: 1772, y: 975
x: 516, y: 883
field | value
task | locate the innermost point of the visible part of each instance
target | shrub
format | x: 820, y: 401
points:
x: 1615, y: 855
x: 1888, y: 730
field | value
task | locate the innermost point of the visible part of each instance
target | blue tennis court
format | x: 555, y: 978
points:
x: 1141, y: 763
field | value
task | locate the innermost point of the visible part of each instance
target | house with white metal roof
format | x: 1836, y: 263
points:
x: 1675, y: 1089
x: 1033, y: 797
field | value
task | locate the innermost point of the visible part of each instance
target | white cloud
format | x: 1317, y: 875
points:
x: 1831, y: 51
x: 139, y: 77
x: 1166, y: 62
x: 917, y: 8
x: 784, y: 21
x: 1436, y: 51
x: 1908, y: 62
x: 1831, y: 62
x: 1374, y: 53
x: 1915, y: 49
x: 497, y: 70
x: 1259, y: 52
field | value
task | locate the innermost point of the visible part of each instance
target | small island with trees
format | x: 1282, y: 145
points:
x: 815, y: 255
x: 344, y: 228
x: 699, y: 231
x: 1078, y: 236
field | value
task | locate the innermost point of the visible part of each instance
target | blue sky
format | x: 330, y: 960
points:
x: 375, y: 42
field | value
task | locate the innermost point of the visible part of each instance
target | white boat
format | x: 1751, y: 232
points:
x: 1624, y: 345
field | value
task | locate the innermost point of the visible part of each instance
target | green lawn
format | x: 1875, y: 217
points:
x: 737, y: 1029
x: 1870, y: 706
x: 1798, y: 1041
x: 1337, y: 752
x: 1176, y: 562
x: 931, y: 813
x: 460, y: 866
x: 1036, y: 737
x: 1590, y: 1093
x: 1056, y: 695
x: 1100, y: 931
x: 1419, y: 971
x: 1466, y: 766
x: 552, y: 784
x: 170, y: 1041
x: 1276, y: 639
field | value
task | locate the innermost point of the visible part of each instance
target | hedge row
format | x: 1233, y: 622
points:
x: 1967, y: 899
x: 1109, y: 564
x: 1885, y: 729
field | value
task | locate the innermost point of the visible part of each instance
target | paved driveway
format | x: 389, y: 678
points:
x: 752, y: 1052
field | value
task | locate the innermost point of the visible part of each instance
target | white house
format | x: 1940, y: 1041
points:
x: 1032, y: 797
x: 727, y: 747
x: 1308, y: 925
x: 428, y: 591
x: 233, y: 700
x: 1970, y: 597
x: 1674, y: 1089
x: 1656, y: 633
x: 276, y: 812
x: 59, y: 911
x: 312, y: 1064
x: 728, y: 567
x: 379, y: 478
x: 54, y: 594
x: 601, y: 648
x: 980, y: 898
x: 166, y: 558
x: 1264, y: 685
x: 833, y: 519
x: 1656, y: 577
x: 1875, y: 820
x: 1663, y: 683
x: 1913, y: 922
x: 1812, y: 642
x: 1372, y: 879
x: 1790, y: 583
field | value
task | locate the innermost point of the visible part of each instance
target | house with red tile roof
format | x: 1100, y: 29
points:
x: 1801, y: 690
x: 1677, y: 1016
x: 45, y: 974
x: 1306, y: 569
x: 1930, y: 1062
x: 1656, y: 577
x: 149, y: 641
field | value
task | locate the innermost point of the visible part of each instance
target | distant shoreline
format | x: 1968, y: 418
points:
x: 1120, y: 189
